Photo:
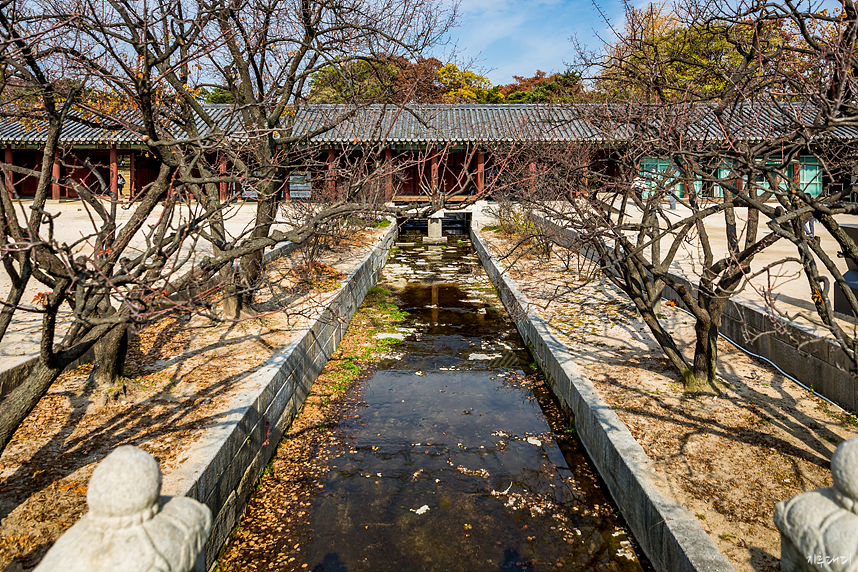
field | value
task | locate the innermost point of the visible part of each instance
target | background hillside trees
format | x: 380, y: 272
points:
x: 397, y: 80
x: 563, y: 87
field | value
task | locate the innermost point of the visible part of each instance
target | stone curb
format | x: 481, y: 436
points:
x: 669, y: 535
x: 225, y: 464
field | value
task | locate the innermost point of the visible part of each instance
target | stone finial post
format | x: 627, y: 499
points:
x: 435, y: 230
x: 129, y: 526
x: 819, y: 529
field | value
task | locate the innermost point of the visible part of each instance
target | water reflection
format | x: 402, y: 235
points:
x: 460, y: 459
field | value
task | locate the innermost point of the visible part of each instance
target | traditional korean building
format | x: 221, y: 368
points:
x: 436, y: 144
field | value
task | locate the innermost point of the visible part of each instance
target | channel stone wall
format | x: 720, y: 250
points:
x: 226, y: 462
x: 671, y: 537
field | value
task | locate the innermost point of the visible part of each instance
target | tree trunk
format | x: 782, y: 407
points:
x: 665, y: 340
x: 705, y: 377
x: 232, y: 302
x: 252, y: 266
x: 251, y: 271
x: 20, y: 402
x: 110, y: 352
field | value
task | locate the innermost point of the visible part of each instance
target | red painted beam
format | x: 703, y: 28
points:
x: 434, y: 175
x: 388, y: 158
x: 221, y: 187
x: 331, y: 176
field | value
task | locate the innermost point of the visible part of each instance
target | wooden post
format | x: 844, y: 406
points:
x: 796, y: 174
x: 132, y: 175
x: 532, y: 170
x: 221, y: 187
x: 10, y: 184
x: 114, y: 171
x: 332, y: 181
x: 388, y: 158
x: 55, y: 173
x: 434, y: 175
x: 481, y: 171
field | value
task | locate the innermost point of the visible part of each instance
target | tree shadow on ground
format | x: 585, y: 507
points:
x: 762, y: 561
x: 162, y: 413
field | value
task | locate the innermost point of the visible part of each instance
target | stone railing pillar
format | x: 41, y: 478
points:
x: 819, y: 529
x: 130, y: 526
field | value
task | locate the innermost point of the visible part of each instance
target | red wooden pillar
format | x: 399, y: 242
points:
x: 10, y: 185
x: 114, y: 171
x: 388, y: 158
x: 331, y: 176
x: 221, y: 187
x: 481, y: 171
x: 434, y: 174
x: 55, y: 173
x: 132, y: 175
x: 532, y: 169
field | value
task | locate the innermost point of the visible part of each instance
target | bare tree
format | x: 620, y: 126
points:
x: 686, y: 121
x: 130, y: 67
x: 725, y: 106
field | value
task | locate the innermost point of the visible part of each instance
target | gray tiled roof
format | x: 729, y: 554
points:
x: 454, y: 123
x: 393, y: 124
x: 463, y: 123
x: 78, y: 132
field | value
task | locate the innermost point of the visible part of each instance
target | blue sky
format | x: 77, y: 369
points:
x: 515, y: 37
x: 518, y: 37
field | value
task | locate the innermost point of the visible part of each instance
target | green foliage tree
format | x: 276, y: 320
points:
x: 219, y: 95
x: 563, y: 87
x: 398, y: 80
x: 357, y: 82
x: 665, y: 57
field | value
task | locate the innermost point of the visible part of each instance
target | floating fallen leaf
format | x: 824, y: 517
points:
x: 422, y: 510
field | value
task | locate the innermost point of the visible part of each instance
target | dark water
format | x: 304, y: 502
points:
x: 460, y: 460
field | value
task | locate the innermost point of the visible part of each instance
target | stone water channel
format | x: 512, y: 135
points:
x: 459, y: 459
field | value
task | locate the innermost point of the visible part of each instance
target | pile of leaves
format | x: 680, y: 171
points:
x: 316, y: 276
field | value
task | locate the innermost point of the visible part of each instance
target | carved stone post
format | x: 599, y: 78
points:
x: 819, y: 529
x: 129, y: 526
x: 435, y: 230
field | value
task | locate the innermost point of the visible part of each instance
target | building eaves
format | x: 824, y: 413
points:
x: 463, y: 124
